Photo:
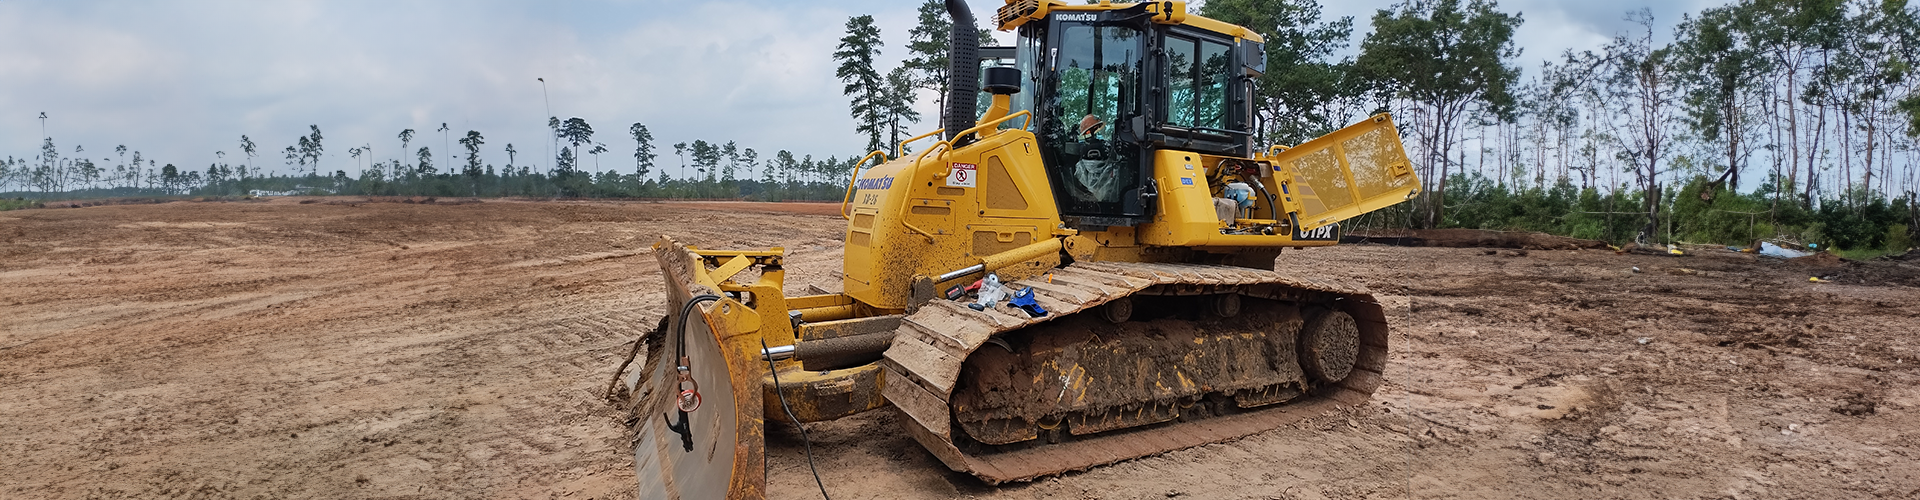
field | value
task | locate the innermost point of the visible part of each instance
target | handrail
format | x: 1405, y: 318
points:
x: 948, y: 145
x: 900, y: 150
x: 846, y: 200
x: 923, y: 153
x: 976, y: 129
x: 1023, y: 125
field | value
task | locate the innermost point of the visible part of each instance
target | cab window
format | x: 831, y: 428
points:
x: 1197, y: 79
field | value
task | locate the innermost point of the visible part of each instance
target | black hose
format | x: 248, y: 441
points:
x: 1273, y: 205
x: 804, y: 439
x: 680, y: 330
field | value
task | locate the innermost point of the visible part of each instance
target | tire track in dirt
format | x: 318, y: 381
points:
x: 278, y: 350
x: 446, y: 352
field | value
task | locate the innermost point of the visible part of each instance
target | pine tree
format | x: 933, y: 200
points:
x: 472, y: 142
x: 928, y: 45
x: 314, y: 150
x: 706, y: 159
x: 425, y: 167
x: 642, y: 151
x: 868, y: 90
x: 406, y: 137
x: 899, y: 106
x: 575, y: 131
x: 784, y: 162
x: 749, y: 158
x: 246, y: 146
x: 680, y: 150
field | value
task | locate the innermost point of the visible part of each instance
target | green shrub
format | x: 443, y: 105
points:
x: 16, y: 204
x: 1898, y: 240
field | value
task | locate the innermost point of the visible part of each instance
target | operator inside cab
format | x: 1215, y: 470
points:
x: 1095, y: 173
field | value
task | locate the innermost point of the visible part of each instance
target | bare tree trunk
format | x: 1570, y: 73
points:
x: 1866, y: 161
x: 1819, y: 129
x: 1793, y: 130
x: 1445, y: 116
x: 1733, y: 143
x: 1842, y: 141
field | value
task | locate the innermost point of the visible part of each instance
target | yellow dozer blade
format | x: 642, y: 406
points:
x: 709, y: 444
x: 726, y: 357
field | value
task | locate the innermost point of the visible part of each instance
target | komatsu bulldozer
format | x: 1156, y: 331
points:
x: 1084, y: 273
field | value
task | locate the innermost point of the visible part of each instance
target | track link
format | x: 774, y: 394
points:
x: 1013, y: 433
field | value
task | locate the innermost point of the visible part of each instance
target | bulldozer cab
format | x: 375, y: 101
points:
x: 1109, y: 87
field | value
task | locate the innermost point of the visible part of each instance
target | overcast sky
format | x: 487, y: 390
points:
x: 181, y: 80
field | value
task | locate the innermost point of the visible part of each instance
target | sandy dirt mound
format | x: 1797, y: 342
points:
x: 1835, y: 269
x: 393, y: 350
x: 750, y: 207
x: 1476, y: 238
x: 1821, y: 259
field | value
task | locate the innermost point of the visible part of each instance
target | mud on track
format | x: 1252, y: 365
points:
x: 276, y: 350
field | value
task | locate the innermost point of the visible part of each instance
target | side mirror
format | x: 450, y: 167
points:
x: 1002, y: 80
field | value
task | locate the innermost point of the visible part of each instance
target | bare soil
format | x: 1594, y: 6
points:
x: 1474, y: 238
x: 386, y: 349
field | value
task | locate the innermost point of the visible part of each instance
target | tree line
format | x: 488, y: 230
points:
x: 1761, y: 118
x: 705, y: 170
x: 1796, y: 118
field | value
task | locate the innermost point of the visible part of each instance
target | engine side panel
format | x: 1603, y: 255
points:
x: 932, y: 214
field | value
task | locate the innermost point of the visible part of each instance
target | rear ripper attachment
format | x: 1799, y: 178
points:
x: 1171, y: 356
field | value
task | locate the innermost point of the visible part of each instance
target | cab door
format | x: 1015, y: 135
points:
x: 1088, y: 104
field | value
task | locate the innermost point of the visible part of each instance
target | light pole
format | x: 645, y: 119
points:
x: 549, y: 102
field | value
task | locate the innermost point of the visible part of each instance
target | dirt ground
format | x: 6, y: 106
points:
x: 403, y: 350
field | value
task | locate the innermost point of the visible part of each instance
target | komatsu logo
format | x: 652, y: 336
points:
x: 1079, y: 17
x: 883, y: 183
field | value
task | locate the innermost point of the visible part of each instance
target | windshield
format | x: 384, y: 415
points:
x: 1096, y: 86
x: 1098, y: 68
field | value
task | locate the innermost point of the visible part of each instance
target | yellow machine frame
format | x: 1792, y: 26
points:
x: 925, y: 222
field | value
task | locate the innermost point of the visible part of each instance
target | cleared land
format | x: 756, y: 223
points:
x: 341, y: 349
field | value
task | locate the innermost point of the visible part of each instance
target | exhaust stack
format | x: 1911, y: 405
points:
x: 963, y: 71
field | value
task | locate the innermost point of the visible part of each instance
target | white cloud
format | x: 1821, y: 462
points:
x: 180, y: 80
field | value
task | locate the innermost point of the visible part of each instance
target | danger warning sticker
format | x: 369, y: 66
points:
x: 963, y: 175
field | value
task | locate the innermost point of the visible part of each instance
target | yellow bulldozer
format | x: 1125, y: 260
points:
x: 1084, y: 273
